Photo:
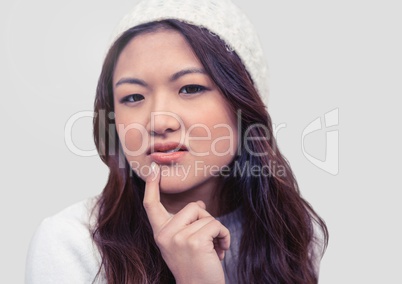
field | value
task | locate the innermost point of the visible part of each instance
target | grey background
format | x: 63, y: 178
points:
x: 322, y: 56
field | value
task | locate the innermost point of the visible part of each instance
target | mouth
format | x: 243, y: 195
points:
x: 170, y: 147
x: 167, y: 153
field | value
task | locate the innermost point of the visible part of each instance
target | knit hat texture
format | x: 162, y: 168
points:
x: 221, y: 17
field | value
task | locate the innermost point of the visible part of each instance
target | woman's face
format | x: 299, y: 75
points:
x: 169, y: 111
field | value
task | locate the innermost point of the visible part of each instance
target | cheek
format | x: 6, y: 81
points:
x: 133, y: 136
x: 214, y: 137
x: 224, y: 139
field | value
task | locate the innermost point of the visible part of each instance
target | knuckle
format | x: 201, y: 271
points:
x: 215, y: 223
x: 201, y: 203
x: 161, y: 238
x: 208, y: 219
x: 192, y: 205
x: 179, y: 240
x: 194, y: 243
x: 148, y: 204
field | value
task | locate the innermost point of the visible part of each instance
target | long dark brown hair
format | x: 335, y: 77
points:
x: 280, y: 238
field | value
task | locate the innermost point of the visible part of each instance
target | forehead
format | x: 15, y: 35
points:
x: 157, y: 46
x: 155, y: 56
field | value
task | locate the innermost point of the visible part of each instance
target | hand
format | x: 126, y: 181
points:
x: 192, y: 242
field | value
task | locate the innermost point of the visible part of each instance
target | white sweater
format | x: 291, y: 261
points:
x: 62, y: 249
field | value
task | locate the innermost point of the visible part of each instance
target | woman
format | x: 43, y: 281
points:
x: 198, y: 191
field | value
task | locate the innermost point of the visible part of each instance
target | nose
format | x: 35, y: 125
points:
x: 163, y: 120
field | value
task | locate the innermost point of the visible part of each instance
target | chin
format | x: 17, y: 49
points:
x: 174, y: 185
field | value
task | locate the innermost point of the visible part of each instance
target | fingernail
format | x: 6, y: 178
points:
x: 153, y: 167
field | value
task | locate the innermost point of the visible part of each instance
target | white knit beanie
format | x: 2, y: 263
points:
x: 220, y: 17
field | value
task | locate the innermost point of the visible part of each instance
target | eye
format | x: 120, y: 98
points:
x: 192, y: 89
x: 132, y: 98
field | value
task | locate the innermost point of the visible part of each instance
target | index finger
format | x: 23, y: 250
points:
x: 157, y: 213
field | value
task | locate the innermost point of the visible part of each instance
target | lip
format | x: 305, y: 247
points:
x: 167, y: 153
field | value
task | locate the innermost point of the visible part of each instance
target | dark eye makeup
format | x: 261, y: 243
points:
x: 188, y: 90
x: 192, y: 89
x: 132, y: 98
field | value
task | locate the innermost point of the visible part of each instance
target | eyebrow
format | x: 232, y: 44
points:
x: 181, y: 73
x: 172, y: 78
x: 131, y: 81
